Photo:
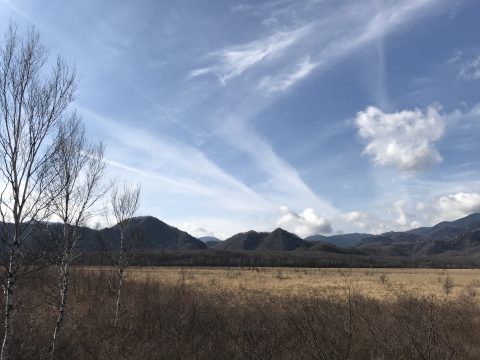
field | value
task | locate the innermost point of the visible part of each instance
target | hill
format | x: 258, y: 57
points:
x: 153, y: 234
x: 459, y: 237
x: 210, y: 241
x: 339, y: 240
x: 277, y: 240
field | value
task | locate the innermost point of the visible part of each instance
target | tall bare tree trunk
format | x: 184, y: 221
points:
x: 120, y: 276
x: 9, y: 308
x: 61, y: 306
x: 119, y: 298
x: 79, y: 168
x: 124, y: 202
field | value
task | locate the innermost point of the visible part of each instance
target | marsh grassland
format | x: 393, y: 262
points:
x: 380, y: 284
x: 255, y: 313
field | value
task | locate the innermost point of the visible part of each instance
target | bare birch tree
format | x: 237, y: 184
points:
x: 32, y: 103
x: 124, y: 202
x: 79, y: 169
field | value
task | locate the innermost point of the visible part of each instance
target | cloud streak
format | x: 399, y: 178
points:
x: 470, y: 70
x: 235, y: 60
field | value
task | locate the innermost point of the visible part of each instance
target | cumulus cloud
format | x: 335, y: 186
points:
x: 358, y: 218
x: 395, y: 217
x: 403, y: 139
x: 454, y: 206
x: 470, y: 70
x: 404, y: 219
x: 306, y: 223
x: 403, y: 215
x: 199, y: 230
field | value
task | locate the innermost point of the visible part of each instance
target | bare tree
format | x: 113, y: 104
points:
x: 124, y: 202
x: 79, y: 169
x: 32, y: 103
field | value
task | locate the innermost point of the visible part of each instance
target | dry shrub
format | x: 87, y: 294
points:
x: 180, y: 321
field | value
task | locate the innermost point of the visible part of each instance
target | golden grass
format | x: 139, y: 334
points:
x: 376, y: 283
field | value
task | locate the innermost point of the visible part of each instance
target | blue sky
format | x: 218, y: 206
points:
x: 318, y: 116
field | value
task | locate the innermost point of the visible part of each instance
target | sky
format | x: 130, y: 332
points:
x: 317, y: 116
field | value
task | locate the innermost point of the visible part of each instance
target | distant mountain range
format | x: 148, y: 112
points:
x: 278, y: 239
x: 210, y: 241
x: 459, y: 237
x: 455, y: 238
x: 339, y: 240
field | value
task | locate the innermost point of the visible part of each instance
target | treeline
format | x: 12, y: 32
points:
x: 222, y: 258
x: 179, y: 321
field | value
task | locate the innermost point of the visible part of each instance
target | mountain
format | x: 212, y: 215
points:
x: 210, y: 241
x: 154, y: 234
x: 447, y: 238
x: 332, y: 248
x: 339, y: 240
x: 278, y: 240
x: 206, y: 239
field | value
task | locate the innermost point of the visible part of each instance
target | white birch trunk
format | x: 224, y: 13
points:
x: 119, y: 298
x: 61, y: 306
x: 120, y: 276
x: 9, y: 309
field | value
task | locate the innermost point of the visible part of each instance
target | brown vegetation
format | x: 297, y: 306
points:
x: 179, y: 320
x: 381, y: 284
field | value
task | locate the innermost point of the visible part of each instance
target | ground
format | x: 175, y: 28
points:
x: 377, y: 283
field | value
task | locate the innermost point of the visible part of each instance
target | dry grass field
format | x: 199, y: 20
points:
x: 255, y: 313
x: 375, y: 283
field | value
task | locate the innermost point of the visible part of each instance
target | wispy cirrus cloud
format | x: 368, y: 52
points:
x: 280, y: 61
x: 470, y: 70
x: 234, y: 61
x: 289, y: 78
x: 315, y: 44
x: 178, y: 167
x: 204, y: 134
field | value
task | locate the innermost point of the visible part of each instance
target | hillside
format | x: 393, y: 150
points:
x: 339, y: 240
x: 278, y: 240
x: 153, y: 234
x: 459, y: 237
x: 210, y: 241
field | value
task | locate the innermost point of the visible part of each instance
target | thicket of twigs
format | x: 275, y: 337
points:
x: 178, y: 321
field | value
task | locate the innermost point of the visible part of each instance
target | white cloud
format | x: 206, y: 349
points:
x: 358, y: 218
x: 306, y: 223
x: 200, y: 72
x: 454, y: 206
x: 404, y: 219
x: 404, y: 139
x: 471, y: 70
x: 282, y: 183
x: 198, y: 231
x: 287, y: 79
x: 242, y: 7
x: 370, y: 223
x: 397, y: 216
x: 403, y: 215
x: 456, y: 56
x: 234, y: 61
x: 171, y: 166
